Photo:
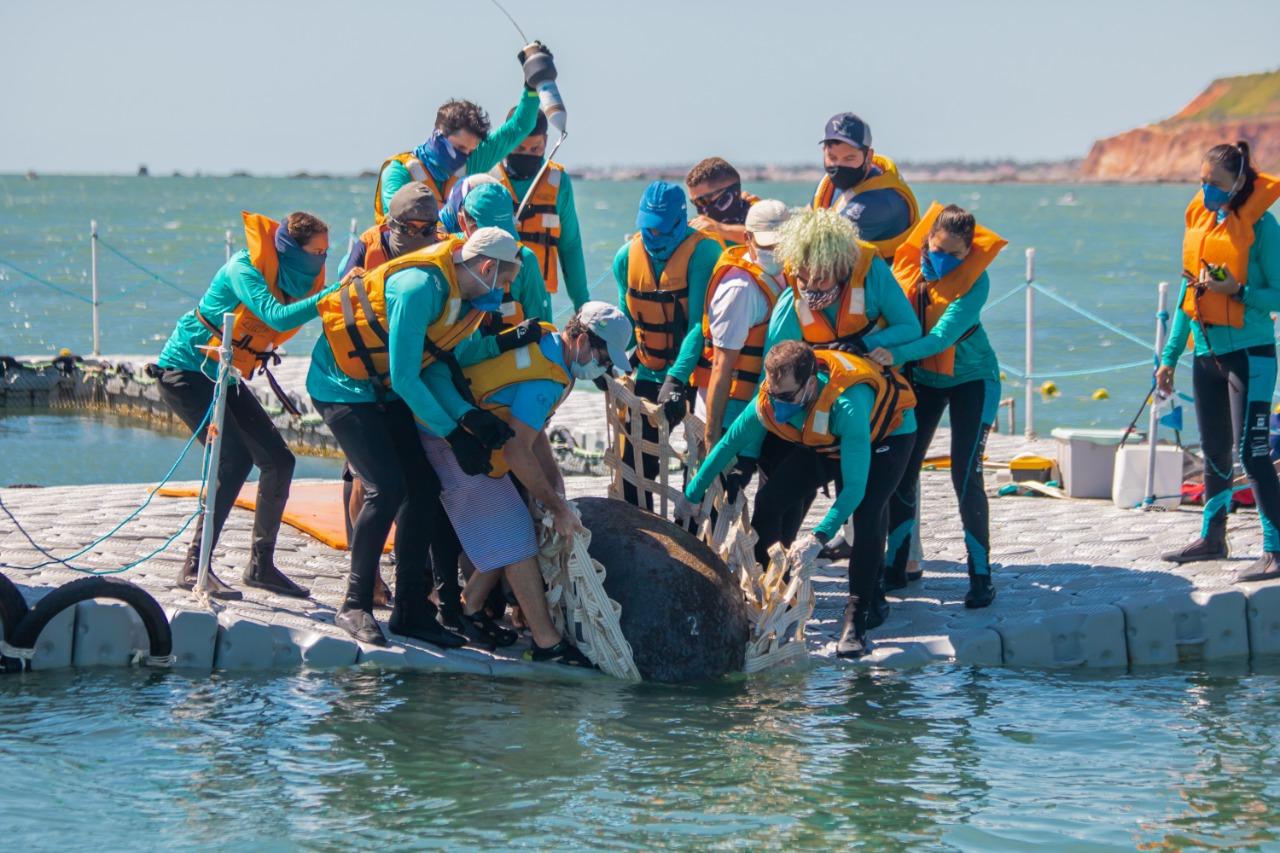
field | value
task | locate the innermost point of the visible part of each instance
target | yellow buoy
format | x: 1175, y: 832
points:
x: 1101, y: 394
x: 64, y: 352
x: 1048, y: 389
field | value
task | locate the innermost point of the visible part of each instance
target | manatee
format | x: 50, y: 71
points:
x: 682, y: 610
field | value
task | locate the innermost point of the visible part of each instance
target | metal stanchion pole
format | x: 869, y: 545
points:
x: 228, y: 238
x: 1028, y: 419
x: 1153, y: 422
x: 352, y: 237
x: 93, y: 272
x: 214, y: 439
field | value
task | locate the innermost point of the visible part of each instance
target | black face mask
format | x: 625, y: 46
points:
x: 522, y: 167
x: 847, y: 177
x: 728, y: 207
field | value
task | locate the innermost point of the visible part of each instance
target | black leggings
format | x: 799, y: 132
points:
x: 790, y: 476
x: 973, y: 406
x: 248, y: 439
x: 647, y: 390
x: 381, y: 444
x: 1233, y: 404
x: 870, y: 520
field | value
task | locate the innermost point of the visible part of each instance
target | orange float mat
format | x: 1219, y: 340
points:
x: 314, y: 508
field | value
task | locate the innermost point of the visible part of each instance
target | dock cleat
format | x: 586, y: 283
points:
x: 1265, y: 568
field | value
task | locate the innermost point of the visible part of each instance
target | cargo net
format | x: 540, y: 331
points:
x: 779, y: 596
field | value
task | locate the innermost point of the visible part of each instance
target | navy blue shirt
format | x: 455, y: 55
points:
x: 878, y: 214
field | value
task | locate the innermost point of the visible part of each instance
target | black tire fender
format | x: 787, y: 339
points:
x: 13, y: 607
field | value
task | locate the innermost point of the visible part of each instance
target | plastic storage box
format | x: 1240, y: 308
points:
x: 1086, y: 458
x: 1129, y: 487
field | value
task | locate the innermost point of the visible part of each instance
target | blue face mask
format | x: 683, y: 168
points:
x: 299, y: 267
x: 784, y: 410
x: 1215, y: 198
x: 936, y: 265
x: 439, y: 155
x: 491, y: 300
x: 664, y: 243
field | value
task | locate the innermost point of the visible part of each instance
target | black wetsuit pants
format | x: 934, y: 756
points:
x: 973, y: 408
x: 1233, y: 404
x: 382, y: 447
x: 648, y: 390
x: 248, y: 439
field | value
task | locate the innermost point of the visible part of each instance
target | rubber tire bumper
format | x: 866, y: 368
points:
x: 13, y: 607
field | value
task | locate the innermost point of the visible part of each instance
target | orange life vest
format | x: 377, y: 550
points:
x: 355, y: 316
x: 843, y: 370
x: 419, y: 172
x: 750, y: 363
x: 539, y: 226
x: 852, y: 320
x: 888, y: 179
x: 374, y: 253
x: 1226, y: 242
x: 931, y: 298
x: 659, y: 306
x: 255, y: 340
x: 526, y: 364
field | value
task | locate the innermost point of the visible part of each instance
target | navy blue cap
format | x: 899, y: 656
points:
x: 847, y: 127
x: 661, y: 207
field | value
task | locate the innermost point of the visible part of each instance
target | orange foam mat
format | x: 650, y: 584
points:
x: 314, y: 508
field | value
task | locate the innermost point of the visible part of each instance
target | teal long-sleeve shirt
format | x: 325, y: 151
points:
x: 236, y: 283
x: 491, y: 150
x: 1261, y: 296
x: 884, y: 300
x: 701, y: 263
x: 415, y: 298
x: 975, y: 359
x: 573, y: 265
x: 850, y: 422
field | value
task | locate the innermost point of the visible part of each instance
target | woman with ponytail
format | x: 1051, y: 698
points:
x: 1230, y: 286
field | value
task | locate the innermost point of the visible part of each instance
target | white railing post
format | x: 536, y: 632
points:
x: 1153, y: 423
x: 229, y: 245
x: 1029, y: 426
x: 214, y: 439
x: 352, y: 237
x: 93, y: 273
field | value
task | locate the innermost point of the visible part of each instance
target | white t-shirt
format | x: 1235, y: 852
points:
x: 736, y: 306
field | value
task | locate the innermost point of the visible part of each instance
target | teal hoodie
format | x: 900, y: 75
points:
x: 975, y: 359
x: 573, y: 266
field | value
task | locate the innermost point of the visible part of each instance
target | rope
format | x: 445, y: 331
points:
x: 65, y: 561
x: 131, y: 262
x: 44, y: 281
x: 1089, y: 315
x: 994, y: 302
x: 568, y: 311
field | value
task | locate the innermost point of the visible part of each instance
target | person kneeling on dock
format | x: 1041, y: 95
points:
x: 272, y: 287
x: 858, y: 417
x: 381, y: 331
x: 522, y: 387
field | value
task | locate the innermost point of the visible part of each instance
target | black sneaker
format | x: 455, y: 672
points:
x: 981, y: 592
x: 424, y: 628
x: 1264, y: 568
x: 361, y: 625
x: 481, y: 628
x: 562, y: 652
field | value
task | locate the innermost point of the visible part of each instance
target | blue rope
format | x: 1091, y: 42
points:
x: 66, y: 561
x: 567, y: 311
x: 128, y: 260
x: 1089, y: 315
x: 38, y: 280
x: 994, y: 302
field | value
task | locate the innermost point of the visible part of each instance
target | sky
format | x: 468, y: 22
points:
x: 325, y: 86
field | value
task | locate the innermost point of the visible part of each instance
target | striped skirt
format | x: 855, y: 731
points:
x: 491, y: 520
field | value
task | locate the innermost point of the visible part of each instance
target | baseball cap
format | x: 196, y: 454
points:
x: 491, y: 243
x: 764, y: 220
x: 490, y: 205
x: 610, y: 325
x: 847, y: 127
x: 661, y: 207
x: 414, y: 202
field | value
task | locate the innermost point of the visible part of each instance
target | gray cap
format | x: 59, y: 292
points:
x: 491, y: 243
x: 414, y: 202
x: 765, y: 219
x: 610, y: 325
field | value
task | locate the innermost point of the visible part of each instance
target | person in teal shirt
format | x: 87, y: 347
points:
x: 673, y: 324
x: 377, y: 428
x: 1233, y: 375
x: 953, y: 366
x: 488, y: 205
x: 558, y: 254
x: 186, y: 374
x: 460, y: 144
x: 866, y: 465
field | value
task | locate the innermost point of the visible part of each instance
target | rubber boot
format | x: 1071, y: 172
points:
x: 895, y: 578
x: 981, y: 591
x: 1264, y: 568
x: 263, y: 574
x: 1210, y: 547
x: 853, y: 642
x: 360, y: 624
x: 837, y: 550
x: 419, y: 622
x: 188, y: 574
x: 878, y: 609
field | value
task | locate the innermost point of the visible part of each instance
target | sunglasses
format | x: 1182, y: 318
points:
x: 791, y: 396
x: 718, y: 200
x: 599, y: 350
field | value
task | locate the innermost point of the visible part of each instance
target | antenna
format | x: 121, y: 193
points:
x: 511, y: 19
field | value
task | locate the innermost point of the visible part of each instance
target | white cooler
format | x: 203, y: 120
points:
x: 1086, y: 458
x: 1129, y: 488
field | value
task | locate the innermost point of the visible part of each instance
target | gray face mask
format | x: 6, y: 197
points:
x: 402, y: 240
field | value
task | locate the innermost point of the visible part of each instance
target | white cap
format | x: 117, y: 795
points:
x: 492, y: 243
x: 765, y: 218
x: 612, y: 326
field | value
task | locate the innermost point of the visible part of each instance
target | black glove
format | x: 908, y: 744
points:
x: 536, y: 60
x: 737, y: 477
x: 672, y: 399
x: 470, y: 453
x: 849, y: 345
x: 600, y: 383
x: 528, y: 332
x: 490, y: 430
